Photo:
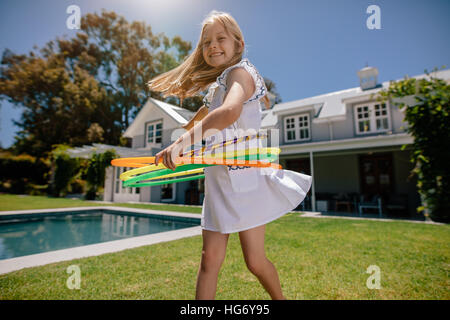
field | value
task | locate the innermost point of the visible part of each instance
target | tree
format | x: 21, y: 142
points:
x: 271, y: 87
x: 428, y: 122
x: 95, y: 173
x: 127, y: 55
x: 88, y: 87
x: 64, y: 169
x: 60, y: 103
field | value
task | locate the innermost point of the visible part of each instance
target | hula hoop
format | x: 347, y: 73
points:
x: 133, y: 172
x: 168, y: 173
x: 191, y: 176
x: 190, y: 166
x: 138, y: 162
x: 156, y: 183
x: 236, y: 153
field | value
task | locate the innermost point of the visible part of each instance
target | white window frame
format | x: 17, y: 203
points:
x: 296, y: 127
x: 154, y: 124
x: 372, y: 117
x: 118, y: 184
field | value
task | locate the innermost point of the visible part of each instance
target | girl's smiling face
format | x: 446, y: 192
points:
x: 217, y: 45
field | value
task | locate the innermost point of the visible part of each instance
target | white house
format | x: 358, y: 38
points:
x: 349, y: 142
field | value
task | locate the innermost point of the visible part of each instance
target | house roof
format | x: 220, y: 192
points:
x: 326, y: 107
x: 330, y: 106
x: 268, y: 119
x: 179, y: 115
x: 87, y: 151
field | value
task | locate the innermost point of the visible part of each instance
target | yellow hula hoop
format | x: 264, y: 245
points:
x: 192, y: 171
x: 186, y: 172
x: 149, y: 168
x: 189, y: 172
x: 177, y: 174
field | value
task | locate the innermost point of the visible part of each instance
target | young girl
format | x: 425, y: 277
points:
x: 237, y: 199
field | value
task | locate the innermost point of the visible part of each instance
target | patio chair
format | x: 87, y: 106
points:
x: 348, y: 201
x: 375, y: 203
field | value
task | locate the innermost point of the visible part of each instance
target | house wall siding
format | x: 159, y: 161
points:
x: 320, y: 132
x: 344, y: 129
x: 169, y: 125
x: 398, y: 117
x: 138, y: 141
x: 145, y: 195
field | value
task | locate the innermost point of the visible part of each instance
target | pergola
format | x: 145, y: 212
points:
x: 86, y: 152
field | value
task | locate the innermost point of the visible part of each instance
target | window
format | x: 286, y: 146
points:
x: 381, y: 117
x: 297, y: 128
x: 154, y: 132
x: 168, y: 192
x: 290, y: 128
x: 303, y: 124
x: 372, y: 117
x: 118, y: 183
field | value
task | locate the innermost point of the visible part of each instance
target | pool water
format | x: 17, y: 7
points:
x: 41, y: 233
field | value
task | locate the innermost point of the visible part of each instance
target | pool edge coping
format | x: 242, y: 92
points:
x: 112, y: 208
x: 40, y: 259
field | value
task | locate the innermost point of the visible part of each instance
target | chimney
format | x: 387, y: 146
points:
x: 368, y: 78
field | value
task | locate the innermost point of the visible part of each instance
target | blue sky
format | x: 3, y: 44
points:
x: 307, y: 47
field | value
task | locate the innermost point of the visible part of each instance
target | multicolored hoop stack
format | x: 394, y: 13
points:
x: 190, y: 165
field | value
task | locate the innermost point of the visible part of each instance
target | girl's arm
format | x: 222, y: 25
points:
x: 240, y: 88
x: 201, y: 113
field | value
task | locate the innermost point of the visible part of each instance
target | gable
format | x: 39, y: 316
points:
x: 151, y: 112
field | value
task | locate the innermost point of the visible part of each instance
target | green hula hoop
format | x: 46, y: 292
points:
x: 135, y: 181
x: 159, y: 182
x: 162, y: 172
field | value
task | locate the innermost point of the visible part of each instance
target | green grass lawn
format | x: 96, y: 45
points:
x: 322, y: 258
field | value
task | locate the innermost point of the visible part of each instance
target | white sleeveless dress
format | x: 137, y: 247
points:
x: 239, y: 198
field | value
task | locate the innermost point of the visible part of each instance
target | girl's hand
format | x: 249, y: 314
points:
x: 169, y: 155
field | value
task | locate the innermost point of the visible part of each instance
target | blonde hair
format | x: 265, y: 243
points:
x: 194, y: 74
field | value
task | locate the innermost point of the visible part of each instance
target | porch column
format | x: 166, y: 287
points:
x: 313, y: 189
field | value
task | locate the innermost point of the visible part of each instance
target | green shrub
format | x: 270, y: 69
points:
x: 95, y: 173
x: 23, y: 174
x: 65, y: 170
x: 428, y: 122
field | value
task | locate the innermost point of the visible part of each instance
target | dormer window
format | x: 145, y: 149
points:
x: 296, y: 128
x: 372, y: 118
x: 153, y: 133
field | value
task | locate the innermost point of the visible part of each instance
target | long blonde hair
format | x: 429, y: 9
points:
x: 194, y: 74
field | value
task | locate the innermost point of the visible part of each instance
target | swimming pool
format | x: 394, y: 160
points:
x: 33, y: 233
